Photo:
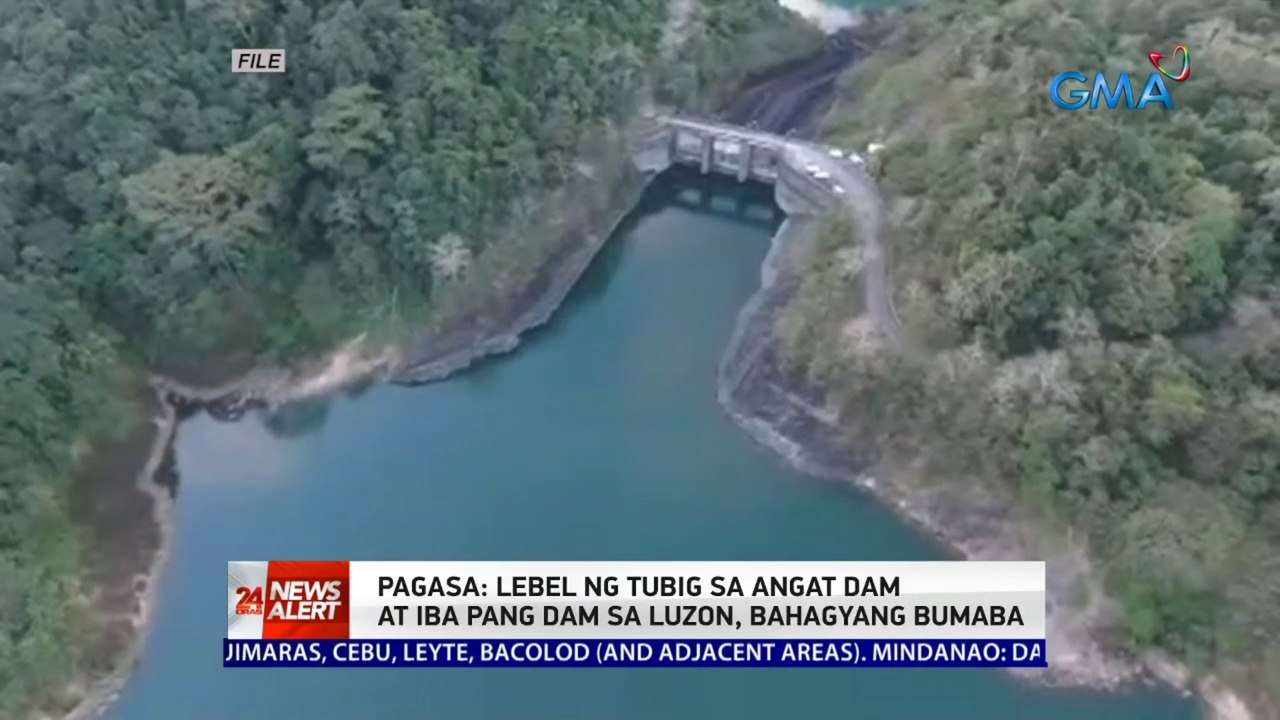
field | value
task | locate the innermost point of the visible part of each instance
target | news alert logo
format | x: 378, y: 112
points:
x: 288, y: 600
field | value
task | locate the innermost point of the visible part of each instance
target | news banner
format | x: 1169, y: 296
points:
x: 635, y: 614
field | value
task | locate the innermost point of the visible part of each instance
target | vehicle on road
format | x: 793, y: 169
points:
x: 857, y: 159
x: 812, y: 169
x: 822, y: 175
x: 835, y: 153
x: 837, y: 189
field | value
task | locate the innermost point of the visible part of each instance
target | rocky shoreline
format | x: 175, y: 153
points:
x: 439, y: 356
x: 973, y: 520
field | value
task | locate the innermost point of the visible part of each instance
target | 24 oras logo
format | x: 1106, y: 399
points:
x: 249, y: 600
x: 1088, y: 91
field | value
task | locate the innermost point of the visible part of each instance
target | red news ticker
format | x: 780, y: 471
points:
x: 302, y: 600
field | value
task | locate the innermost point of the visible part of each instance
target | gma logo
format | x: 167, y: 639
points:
x: 1080, y: 90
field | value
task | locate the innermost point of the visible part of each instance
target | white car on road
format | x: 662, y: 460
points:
x: 822, y: 175
x: 835, y: 153
x: 837, y: 189
x: 812, y: 169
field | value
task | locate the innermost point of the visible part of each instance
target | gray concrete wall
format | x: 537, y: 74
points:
x: 795, y: 192
x: 798, y: 194
x: 652, y: 153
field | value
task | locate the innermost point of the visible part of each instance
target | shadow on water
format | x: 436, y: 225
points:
x: 357, y: 389
x: 749, y: 203
x: 298, y: 419
x: 746, y: 203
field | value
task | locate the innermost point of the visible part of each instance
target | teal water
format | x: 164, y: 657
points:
x: 600, y: 439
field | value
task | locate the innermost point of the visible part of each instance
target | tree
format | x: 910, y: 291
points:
x: 209, y: 206
x: 348, y: 133
x: 450, y: 257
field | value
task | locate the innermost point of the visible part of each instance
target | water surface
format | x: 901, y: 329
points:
x: 600, y: 439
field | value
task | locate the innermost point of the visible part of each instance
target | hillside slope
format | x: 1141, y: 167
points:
x: 1096, y: 295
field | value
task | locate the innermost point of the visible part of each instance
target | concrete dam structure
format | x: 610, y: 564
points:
x: 747, y: 154
x: 808, y: 178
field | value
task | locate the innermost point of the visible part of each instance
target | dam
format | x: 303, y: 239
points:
x: 748, y: 154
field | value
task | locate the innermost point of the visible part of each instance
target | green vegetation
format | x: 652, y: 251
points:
x: 1093, y: 297
x: 157, y: 210
x: 726, y: 42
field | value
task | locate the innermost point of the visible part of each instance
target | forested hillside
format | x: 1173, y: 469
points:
x: 1093, y: 297
x: 726, y: 43
x: 157, y: 209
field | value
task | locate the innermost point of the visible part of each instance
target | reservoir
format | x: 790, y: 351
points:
x: 599, y: 439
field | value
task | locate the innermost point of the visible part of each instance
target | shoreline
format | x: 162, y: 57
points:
x: 792, y: 420
x: 562, y: 276
x: 970, y: 520
x: 102, y: 692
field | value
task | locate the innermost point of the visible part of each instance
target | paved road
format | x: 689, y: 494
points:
x: 863, y: 199
x: 860, y: 196
x: 736, y: 131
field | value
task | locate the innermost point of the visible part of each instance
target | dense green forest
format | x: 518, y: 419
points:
x: 157, y: 209
x: 1093, y: 298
